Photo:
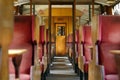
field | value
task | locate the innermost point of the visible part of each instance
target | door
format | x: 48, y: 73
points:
x: 60, y: 40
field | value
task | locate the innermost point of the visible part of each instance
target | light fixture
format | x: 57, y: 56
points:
x: 110, y: 1
x: 20, y: 2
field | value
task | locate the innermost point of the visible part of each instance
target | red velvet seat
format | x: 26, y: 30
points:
x: 77, y: 51
x: 41, y: 42
x: 43, y: 50
x: 87, y: 41
x: 108, y: 39
x: 23, y: 39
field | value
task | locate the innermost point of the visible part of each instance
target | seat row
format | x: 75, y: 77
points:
x: 29, y: 35
x: 93, y: 45
x: 94, y: 57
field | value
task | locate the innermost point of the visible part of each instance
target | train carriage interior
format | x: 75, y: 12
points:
x: 60, y: 40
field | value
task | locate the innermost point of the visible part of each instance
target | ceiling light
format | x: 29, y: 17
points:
x: 110, y: 1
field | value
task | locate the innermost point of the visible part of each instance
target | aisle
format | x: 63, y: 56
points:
x: 62, y: 69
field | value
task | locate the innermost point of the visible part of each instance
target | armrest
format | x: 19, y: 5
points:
x: 45, y: 63
x: 117, y: 59
x: 90, y: 46
x: 70, y: 52
x: 115, y: 51
x: 96, y: 70
x: 81, y: 62
x: 35, y: 72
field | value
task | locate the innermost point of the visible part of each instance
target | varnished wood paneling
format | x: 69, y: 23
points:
x: 6, y: 33
x: 61, y: 12
x: 70, y: 25
x: 60, y: 46
x: 37, y: 25
x: 94, y: 29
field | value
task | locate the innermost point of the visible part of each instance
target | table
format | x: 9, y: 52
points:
x: 91, y: 50
x: 16, y: 55
x: 117, y: 59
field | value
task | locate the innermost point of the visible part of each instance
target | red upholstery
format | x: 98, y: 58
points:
x: 47, y: 34
x: 87, y: 41
x: 86, y: 67
x: 41, y: 43
x: 22, y: 39
x: 77, y: 36
x: 42, y: 39
x: 40, y: 52
x: 87, y: 35
x: 109, y: 29
x: 77, y: 43
x: 107, y: 59
x: 109, y: 32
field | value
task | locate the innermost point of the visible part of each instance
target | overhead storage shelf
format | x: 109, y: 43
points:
x: 20, y: 2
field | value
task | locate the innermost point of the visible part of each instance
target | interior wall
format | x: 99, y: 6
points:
x: 65, y: 20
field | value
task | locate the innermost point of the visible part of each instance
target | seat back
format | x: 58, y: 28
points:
x: 42, y: 34
x: 41, y: 41
x: 22, y: 39
x: 77, y: 42
x: 109, y: 31
x: 87, y: 41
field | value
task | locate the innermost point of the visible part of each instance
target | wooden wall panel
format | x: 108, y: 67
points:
x: 61, y: 12
x: 94, y: 29
x: 70, y: 25
x: 6, y: 34
x: 36, y: 32
x: 60, y: 20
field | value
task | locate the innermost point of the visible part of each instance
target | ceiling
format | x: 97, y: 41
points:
x: 65, y: 1
x: 82, y: 5
x: 103, y: 2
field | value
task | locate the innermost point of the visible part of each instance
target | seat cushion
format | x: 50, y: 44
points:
x: 86, y: 67
x: 87, y: 52
x: 111, y: 77
x: 107, y: 59
x: 22, y: 77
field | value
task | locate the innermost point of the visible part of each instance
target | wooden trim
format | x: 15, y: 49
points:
x: 73, y: 35
x: 33, y: 9
x: 30, y: 7
x: 95, y: 37
x: 93, y: 1
x: 89, y: 13
x: 95, y: 70
x: 49, y: 40
x: 6, y: 30
x: 94, y: 29
x: 81, y: 63
x: 60, y: 3
x: 108, y: 10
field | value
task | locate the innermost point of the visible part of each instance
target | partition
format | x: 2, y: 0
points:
x: 6, y: 33
x: 85, y: 53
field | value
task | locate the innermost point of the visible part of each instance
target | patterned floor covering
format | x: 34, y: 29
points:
x: 62, y: 69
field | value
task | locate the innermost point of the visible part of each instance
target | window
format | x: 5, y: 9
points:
x: 116, y: 9
x: 60, y: 30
